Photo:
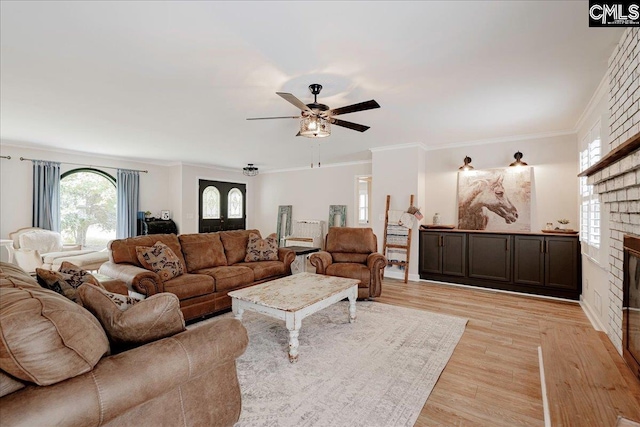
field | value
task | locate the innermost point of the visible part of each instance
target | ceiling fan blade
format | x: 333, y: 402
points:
x: 367, y: 105
x: 349, y: 125
x: 269, y: 118
x: 295, y: 101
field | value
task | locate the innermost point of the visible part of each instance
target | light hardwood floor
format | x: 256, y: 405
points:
x: 493, y: 377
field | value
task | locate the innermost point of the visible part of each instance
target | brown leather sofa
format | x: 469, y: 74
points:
x: 352, y: 252
x: 55, y: 368
x: 214, y: 267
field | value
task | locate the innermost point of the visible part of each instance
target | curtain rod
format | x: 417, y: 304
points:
x: 82, y: 164
x: 5, y: 157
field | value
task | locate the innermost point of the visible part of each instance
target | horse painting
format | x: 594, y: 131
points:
x: 478, y: 197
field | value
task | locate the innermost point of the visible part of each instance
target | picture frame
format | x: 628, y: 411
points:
x: 165, y: 215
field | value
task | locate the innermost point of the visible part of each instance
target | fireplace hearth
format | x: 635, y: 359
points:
x: 631, y: 304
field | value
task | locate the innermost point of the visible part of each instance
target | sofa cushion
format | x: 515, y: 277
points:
x: 202, y: 250
x: 190, y: 285
x: 160, y: 259
x: 235, y: 244
x: 45, y: 338
x: 156, y: 317
x: 230, y: 277
x: 13, y: 270
x: 264, y: 269
x: 350, y: 270
x: 123, y: 251
x: 9, y: 384
x: 355, y: 240
x: 66, y: 281
x: 262, y: 249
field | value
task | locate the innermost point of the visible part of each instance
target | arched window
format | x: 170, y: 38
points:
x: 211, y: 203
x: 234, y: 204
x: 88, y: 208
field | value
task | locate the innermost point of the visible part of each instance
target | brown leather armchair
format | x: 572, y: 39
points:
x: 352, y: 252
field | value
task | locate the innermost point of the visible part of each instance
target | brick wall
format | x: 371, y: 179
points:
x: 619, y: 183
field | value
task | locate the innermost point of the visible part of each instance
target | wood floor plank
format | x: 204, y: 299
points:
x: 584, y: 384
x: 492, y: 378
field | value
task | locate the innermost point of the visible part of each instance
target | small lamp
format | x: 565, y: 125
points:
x: 518, y: 162
x: 250, y: 170
x: 467, y: 164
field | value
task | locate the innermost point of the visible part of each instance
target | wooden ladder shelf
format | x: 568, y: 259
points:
x: 406, y: 247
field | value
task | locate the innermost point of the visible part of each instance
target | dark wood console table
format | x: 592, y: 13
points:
x: 544, y: 264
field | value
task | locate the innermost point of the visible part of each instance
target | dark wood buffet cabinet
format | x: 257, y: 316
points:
x: 542, y: 264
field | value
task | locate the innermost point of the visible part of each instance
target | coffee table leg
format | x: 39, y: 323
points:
x: 293, y: 325
x: 352, y: 305
x: 236, y: 309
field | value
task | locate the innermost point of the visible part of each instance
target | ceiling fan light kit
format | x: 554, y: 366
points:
x: 250, y: 170
x: 316, y: 119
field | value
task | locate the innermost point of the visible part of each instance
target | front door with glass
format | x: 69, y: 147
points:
x: 221, y: 206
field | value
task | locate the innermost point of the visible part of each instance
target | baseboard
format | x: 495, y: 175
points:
x: 480, y: 288
x: 593, y: 318
x: 400, y: 275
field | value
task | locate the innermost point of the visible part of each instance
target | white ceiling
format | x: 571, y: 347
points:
x: 175, y: 81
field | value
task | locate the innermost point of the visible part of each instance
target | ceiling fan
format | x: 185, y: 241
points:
x: 316, y: 119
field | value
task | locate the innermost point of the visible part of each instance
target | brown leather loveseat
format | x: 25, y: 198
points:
x: 55, y: 367
x: 214, y: 266
x: 353, y: 253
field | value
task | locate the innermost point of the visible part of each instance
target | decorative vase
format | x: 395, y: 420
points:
x: 436, y: 219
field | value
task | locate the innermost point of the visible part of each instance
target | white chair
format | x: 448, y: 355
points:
x: 38, y: 248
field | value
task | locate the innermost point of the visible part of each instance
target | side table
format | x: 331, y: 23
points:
x: 299, y: 265
x: 8, y: 245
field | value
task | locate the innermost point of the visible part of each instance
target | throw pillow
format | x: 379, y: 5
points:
x: 160, y: 259
x: 134, y: 323
x: 47, y: 338
x: 262, y: 249
x: 66, y: 281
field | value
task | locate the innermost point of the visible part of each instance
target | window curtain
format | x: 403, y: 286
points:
x: 46, y: 195
x: 128, y: 193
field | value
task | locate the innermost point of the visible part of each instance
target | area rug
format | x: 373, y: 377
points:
x: 378, y: 371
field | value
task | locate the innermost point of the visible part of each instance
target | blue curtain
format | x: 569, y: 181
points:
x: 46, y: 195
x: 128, y: 193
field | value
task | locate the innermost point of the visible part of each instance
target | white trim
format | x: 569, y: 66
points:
x: 480, y: 288
x: 324, y: 165
x: 399, y: 147
x: 543, y: 385
x: 591, y: 315
x: 601, y: 90
x: 400, y: 275
x: 513, y: 138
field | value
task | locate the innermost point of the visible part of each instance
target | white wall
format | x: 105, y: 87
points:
x: 554, y: 184
x: 16, y: 182
x: 309, y: 191
x: 397, y: 172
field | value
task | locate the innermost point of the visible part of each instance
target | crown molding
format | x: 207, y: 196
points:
x: 324, y: 165
x: 503, y: 139
x: 399, y: 147
x: 32, y: 146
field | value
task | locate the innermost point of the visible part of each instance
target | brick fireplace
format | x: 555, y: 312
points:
x: 617, y: 176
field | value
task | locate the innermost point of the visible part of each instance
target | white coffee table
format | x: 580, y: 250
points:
x: 293, y: 298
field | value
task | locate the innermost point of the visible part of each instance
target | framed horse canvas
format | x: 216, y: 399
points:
x: 495, y: 199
